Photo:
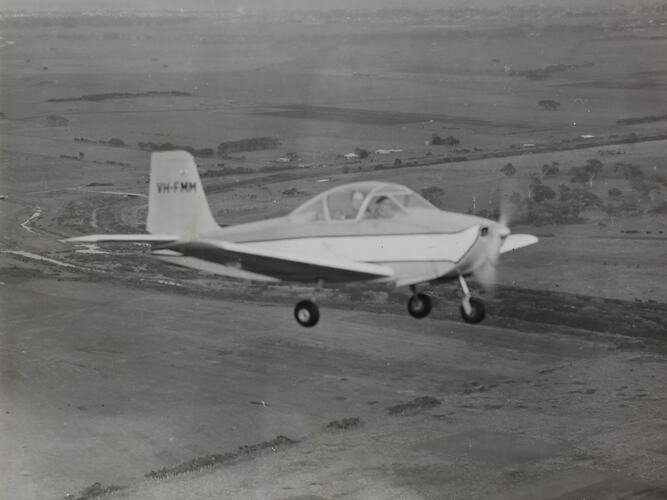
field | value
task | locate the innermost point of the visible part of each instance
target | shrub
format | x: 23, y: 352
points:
x: 614, y: 193
x: 436, y: 140
x: 435, y: 195
x: 542, y: 193
x: 549, y: 104
x: 508, y: 169
x: 362, y: 153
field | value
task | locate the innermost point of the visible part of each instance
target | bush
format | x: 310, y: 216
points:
x: 252, y: 144
x: 292, y: 192
x: 660, y: 208
x: 550, y: 170
x: 435, y: 195
x: 615, y: 193
x: 508, y: 169
x: 362, y: 153
x: 436, y: 140
x: 542, y: 193
x: 549, y: 104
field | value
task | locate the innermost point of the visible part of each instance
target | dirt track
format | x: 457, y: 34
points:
x: 108, y: 383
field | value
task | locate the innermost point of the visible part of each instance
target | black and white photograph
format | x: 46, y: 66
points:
x: 333, y: 249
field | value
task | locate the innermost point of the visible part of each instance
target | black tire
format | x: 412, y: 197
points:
x: 419, y: 305
x: 307, y: 313
x: 478, y: 311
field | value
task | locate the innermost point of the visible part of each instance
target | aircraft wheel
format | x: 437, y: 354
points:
x: 419, y: 305
x: 477, y: 311
x: 307, y: 313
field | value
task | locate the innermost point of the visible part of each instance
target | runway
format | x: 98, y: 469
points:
x: 105, y: 383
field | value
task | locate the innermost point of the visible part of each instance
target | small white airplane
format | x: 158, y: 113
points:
x: 358, y: 232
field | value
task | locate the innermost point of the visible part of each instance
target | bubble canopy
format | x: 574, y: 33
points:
x: 362, y: 200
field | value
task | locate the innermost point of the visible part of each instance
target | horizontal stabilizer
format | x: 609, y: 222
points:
x: 126, y: 238
x: 516, y: 241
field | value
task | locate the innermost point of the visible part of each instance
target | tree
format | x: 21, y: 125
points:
x: 533, y: 181
x: 508, y: 169
x: 615, y: 193
x: 564, y: 193
x: 587, y: 173
x: 542, y: 192
x: 593, y: 167
x: 629, y: 171
x: 549, y: 104
x: 550, y: 170
x: 361, y: 153
x: 436, y: 140
x: 205, y: 152
x: 634, y: 175
x: 582, y: 198
x: 116, y: 142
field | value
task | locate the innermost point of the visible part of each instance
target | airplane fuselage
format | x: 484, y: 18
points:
x: 420, y: 246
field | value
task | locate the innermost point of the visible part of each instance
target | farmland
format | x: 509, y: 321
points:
x: 270, y: 106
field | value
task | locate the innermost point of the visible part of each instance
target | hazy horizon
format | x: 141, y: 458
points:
x: 226, y: 5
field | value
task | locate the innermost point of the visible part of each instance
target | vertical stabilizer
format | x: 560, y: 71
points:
x: 176, y: 199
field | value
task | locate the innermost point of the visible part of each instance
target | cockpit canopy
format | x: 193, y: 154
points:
x: 362, y: 200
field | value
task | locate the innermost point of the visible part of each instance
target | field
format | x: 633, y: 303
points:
x: 114, y: 365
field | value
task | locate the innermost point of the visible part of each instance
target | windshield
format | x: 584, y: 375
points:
x: 362, y: 200
x: 344, y: 204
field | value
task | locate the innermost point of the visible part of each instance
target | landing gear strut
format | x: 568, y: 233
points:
x: 419, y: 305
x: 472, y: 308
x: 307, y: 313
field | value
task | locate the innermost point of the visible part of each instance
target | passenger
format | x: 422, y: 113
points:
x: 357, y: 201
x: 348, y: 208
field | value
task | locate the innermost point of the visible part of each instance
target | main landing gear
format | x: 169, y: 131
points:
x: 472, y: 308
x: 307, y: 313
x: 419, y: 305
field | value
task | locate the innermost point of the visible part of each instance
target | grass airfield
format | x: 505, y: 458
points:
x: 114, y: 366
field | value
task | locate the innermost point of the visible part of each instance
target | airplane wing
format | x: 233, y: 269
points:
x: 124, y: 238
x: 240, y: 260
x: 516, y: 241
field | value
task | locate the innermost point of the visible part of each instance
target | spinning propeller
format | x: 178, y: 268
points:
x: 499, y: 240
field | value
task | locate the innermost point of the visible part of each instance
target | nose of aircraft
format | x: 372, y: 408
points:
x: 492, y: 235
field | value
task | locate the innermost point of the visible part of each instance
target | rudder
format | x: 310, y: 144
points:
x: 176, y: 200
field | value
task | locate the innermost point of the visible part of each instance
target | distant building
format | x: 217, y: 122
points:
x: 351, y: 156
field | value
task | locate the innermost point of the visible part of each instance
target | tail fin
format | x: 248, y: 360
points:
x: 176, y: 199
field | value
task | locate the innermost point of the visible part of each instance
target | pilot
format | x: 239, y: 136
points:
x: 381, y: 208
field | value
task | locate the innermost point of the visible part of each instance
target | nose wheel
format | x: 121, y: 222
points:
x: 419, y: 305
x: 472, y: 308
x: 307, y: 313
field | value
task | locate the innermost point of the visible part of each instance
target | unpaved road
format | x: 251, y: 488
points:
x: 103, y: 383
